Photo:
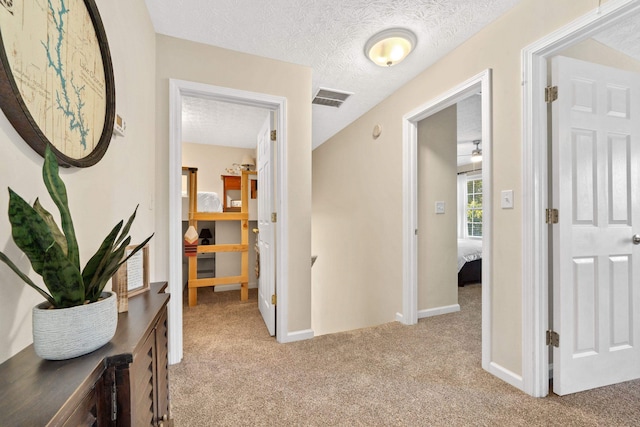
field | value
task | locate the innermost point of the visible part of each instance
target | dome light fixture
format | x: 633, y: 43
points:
x: 389, y: 47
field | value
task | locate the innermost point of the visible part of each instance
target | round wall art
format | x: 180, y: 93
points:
x: 56, y: 77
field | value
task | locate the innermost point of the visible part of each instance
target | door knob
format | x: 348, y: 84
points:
x: 636, y: 239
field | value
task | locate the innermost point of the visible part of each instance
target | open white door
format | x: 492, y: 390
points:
x: 596, y: 189
x: 267, y: 278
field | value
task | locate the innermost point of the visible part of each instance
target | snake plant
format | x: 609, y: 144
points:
x: 54, y: 253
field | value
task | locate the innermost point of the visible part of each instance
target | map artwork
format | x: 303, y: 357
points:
x: 56, y: 61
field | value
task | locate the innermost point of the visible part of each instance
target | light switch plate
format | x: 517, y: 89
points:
x: 439, y: 207
x: 506, y: 199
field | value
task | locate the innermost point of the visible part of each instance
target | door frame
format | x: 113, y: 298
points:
x: 178, y: 89
x: 535, y: 184
x: 409, y: 316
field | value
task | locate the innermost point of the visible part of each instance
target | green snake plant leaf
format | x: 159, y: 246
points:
x: 96, y: 265
x: 125, y: 230
x: 26, y: 278
x: 136, y: 249
x: 62, y: 278
x: 53, y: 251
x: 29, y: 231
x: 58, y: 193
x: 53, y: 227
x: 109, y: 269
x: 115, y: 261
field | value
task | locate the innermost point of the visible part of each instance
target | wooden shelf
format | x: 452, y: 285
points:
x: 231, y: 183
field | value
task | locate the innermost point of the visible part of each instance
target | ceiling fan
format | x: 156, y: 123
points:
x: 476, y: 154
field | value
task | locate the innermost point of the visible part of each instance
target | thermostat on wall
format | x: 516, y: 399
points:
x: 119, y: 125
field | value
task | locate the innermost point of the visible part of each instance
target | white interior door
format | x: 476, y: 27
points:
x: 267, y: 278
x: 596, y: 265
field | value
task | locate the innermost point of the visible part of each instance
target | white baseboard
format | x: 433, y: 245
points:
x: 506, y: 375
x: 429, y: 312
x: 399, y: 317
x: 305, y: 334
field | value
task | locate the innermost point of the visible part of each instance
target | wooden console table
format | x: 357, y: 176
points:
x: 124, y: 383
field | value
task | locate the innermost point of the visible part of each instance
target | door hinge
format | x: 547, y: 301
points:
x: 274, y: 299
x: 274, y: 134
x: 550, y: 94
x: 553, y: 338
x: 274, y: 217
x: 551, y: 216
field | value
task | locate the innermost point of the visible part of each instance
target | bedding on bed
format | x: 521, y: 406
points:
x: 208, y: 201
x: 468, y: 250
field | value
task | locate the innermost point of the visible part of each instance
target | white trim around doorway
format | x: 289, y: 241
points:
x: 178, y: 89
x: 480, y: 83
x: 535, y: 191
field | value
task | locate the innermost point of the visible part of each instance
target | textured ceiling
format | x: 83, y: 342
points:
x: 623, y: 36
x: 205, y: 121
x: 329, y: 36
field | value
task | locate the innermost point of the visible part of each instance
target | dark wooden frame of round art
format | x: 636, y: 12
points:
x: 20, y: 117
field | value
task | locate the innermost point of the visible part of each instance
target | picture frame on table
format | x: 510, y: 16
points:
x: 132, y: 278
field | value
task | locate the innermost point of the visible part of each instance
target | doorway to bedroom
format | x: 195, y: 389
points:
x: 469, y: 190
x: 576, y: 153
x: 220, y: 201
x: 430, y: 204
x: 229, y: 162
x: 219, y: 142
x: 450, y: 208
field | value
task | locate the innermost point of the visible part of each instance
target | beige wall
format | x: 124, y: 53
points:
x: 101, y: 195
x: 357, y: 186
x: 357, y: 228
x: 437, y: 181
x: 184, y: 60
x: 212, y: 162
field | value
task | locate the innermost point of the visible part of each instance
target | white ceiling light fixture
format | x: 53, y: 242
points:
x: 476, y: 154
x: 390, y: 47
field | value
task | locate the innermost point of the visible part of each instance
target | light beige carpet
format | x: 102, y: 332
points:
x: 234, y: 374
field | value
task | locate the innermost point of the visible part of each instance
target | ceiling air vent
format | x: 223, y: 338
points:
x: 330, y: 97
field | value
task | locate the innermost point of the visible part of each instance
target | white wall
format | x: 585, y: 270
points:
x: 357, y: 186
x: 101, y: 195
x: 437, y: 182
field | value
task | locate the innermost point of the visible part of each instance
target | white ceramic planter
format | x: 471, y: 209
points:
x: 64, y: 333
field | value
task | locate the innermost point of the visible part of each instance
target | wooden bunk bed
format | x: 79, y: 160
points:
x: 243, y: 247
